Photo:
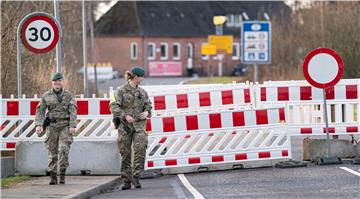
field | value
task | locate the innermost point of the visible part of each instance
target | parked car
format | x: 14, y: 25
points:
x: 239, y: 70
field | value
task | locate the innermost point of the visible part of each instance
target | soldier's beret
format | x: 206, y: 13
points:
x: 56, y: 76
x: 138, y: 71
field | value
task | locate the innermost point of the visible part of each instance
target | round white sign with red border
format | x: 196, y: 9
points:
x: 40, y: 33
x: 323, y: 68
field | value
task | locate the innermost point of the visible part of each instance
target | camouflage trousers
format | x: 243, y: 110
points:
x: 136, y: 140
x: 58, y: 141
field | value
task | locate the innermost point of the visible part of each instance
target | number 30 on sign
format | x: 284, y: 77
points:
x: 40, y: 34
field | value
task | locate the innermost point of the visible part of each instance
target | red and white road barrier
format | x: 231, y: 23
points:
x: 203, y: 98
x: 249, y: 135
x: 215, y: 120
x: 302, y: 91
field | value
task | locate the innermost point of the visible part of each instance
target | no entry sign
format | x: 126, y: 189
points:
x: 323, y: 68
x: 40, y: 33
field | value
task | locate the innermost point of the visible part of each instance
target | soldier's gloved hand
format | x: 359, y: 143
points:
x: 38, y: 129
x: 72, y: 130
x: 144, y: 115
x: 129, y: 119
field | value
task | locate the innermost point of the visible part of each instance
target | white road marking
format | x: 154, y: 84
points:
x: 350, y: 171
x: 193, y: 191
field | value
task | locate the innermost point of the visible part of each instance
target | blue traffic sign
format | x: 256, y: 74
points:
x: 256, y: 42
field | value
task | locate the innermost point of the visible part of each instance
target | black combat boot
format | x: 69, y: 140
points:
x: 127, y: 185
x: 62, y: 176
x: 53, y: 178
x: 136, y: 183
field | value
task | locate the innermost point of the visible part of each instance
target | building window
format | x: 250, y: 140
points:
x: 151, y: 51
x: 163, y: 51
x: 133, y: 50
x: 204, y: 57
x: 236, y: 51
x: 190, y: 51
x: 176, y: 51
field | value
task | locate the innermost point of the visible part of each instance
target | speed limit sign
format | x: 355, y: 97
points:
x: 40, y: 33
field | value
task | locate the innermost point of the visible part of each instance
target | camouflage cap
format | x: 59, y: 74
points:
x: 56, y: 76
x: 138, y: 71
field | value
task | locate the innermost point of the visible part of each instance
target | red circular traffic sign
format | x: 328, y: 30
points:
x: 323, y: 68
x: 40, y: 33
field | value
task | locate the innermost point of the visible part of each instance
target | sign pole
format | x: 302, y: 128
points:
x: 326, y: 126
x: 19, y: 66
x: 39, y: 34
x: 58, y: 46
x: 323, y: 68
x: 256, y: 74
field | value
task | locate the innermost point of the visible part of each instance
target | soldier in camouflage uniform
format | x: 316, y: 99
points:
x: 130, y: 107
x: 59, y: 124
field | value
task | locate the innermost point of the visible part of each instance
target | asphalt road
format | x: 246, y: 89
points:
x: 306, y: 182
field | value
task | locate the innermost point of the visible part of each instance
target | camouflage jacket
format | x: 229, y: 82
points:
x: 67, y: 108
x: 131, y: 101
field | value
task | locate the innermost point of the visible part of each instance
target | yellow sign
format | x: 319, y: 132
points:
x: 222, y: 42
x: 207, y: 49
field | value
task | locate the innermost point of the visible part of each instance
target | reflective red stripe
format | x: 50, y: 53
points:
x: 264, y: 155
x: 352, y: 129
x: 215, y: 120
x: 238, y: 119
x: 227, y: 97
x: 12, y: 108
x: 351, y: 92
x: 168, y: 124
x: 10, y: 145
x: 182, y: 101
x: 33, y: 105
x: 159, y: 103
x: 150, y: 164
x: 263, y: 94
x: 82, y: 107
x: 283, y: 93
x: 282, y: 114
x: 195, y: 160
x: 104, y: 107
x: 163, y: 139
x: 204, y: 99
x: 285, y: 153
x: 148, y: 124
x: 218, y: 158
x: 305, y: 93
x: 331, y: 130
x: 261, y: 117
x: 241, y: 156
x: 330, y: 94
x: 247, y: 97
x: 306, y: 131
x: 171, y: 162
x: 192, y: 122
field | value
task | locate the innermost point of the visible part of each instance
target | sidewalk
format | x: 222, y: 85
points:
x: 75, y: 187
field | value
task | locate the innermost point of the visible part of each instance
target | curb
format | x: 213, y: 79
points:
x: 187, y: 80
x: 95, y: 189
